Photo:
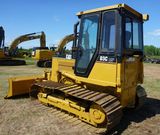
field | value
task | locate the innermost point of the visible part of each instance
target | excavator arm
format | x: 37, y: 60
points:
x: 64, y: 41
x: 28, y: 37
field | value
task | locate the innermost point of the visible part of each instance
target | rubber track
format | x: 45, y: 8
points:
x: 109, y: 103
x: 11, y: 62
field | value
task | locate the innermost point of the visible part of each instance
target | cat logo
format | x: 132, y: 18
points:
x: 103, y: 58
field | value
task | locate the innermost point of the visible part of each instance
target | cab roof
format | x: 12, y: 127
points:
x: 117, y: 6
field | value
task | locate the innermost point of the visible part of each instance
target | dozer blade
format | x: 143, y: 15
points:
x: 21, y: 85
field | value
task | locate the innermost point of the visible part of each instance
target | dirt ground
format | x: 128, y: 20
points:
x: 25, y: 116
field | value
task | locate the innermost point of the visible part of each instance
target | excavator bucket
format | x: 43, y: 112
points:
x: 21, y: 85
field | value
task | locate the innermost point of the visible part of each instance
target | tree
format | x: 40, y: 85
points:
x: 151, y: 50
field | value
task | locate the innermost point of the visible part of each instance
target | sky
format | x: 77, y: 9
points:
x: 57, y: 17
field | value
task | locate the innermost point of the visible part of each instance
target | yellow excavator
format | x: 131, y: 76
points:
x: 43, y: 56
x: 106, y: 75
x: 60, y: 50
x: 27, y: 37
x: 6, y: 56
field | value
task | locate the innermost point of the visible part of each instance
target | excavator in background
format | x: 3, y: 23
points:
x: 106, y: 75
x: 12, y: 50
x: 7, y: 54
x: 43, y: 55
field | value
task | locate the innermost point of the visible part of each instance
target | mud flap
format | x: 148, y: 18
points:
x: 21, y: 85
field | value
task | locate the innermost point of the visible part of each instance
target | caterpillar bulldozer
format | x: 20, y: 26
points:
x: 44, y: 57
x: 106, y: 75
x: 7, y: 53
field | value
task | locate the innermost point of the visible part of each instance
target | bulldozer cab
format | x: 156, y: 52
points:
x: 110, y: 49
x: 108, y: 36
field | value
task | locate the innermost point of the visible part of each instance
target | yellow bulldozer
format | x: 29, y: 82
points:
x: 106, y: 74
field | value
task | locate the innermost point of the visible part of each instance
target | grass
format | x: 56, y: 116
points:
x: 3, y: 73
x: 23, y: 116
x: 29, y: 60
x: 154, y: 57
x: 152, y: 79
x: 152, y: 85
x: 152, y: 64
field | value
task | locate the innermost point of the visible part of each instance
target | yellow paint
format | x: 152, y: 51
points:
x: 21, y: 85
x: 43, y: 54
x: 121, y: 78
x: 61, y: 64
x: 93, y: 117
x: 109, y: 8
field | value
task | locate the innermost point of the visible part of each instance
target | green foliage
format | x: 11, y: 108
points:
x: 24, y: 52
x: 67, y: 51
x: 29, y: 61
x: 151, y: 50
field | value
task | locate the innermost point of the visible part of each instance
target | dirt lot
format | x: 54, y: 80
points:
x: 23, y: 116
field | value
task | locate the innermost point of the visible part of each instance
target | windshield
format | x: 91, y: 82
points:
x: 87, y: 42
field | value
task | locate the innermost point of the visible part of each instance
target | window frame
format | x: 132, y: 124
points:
x: 94, y: 57
x: 127, y: 14
x: 108, y: 50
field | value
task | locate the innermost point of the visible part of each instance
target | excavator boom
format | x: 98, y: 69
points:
x: 28, y: 37
x: 64, y: 41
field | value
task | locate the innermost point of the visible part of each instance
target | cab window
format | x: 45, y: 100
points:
x: 108, y: 31
x: 133, y: 34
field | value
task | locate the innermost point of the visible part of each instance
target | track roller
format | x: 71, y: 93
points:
x: 100, y: 110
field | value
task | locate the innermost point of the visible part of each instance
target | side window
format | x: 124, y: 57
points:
x: 137, y: 35
x: 128, y: 33
x: 109, y: 31
x: 112, y: 37
x: 133, y: 34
